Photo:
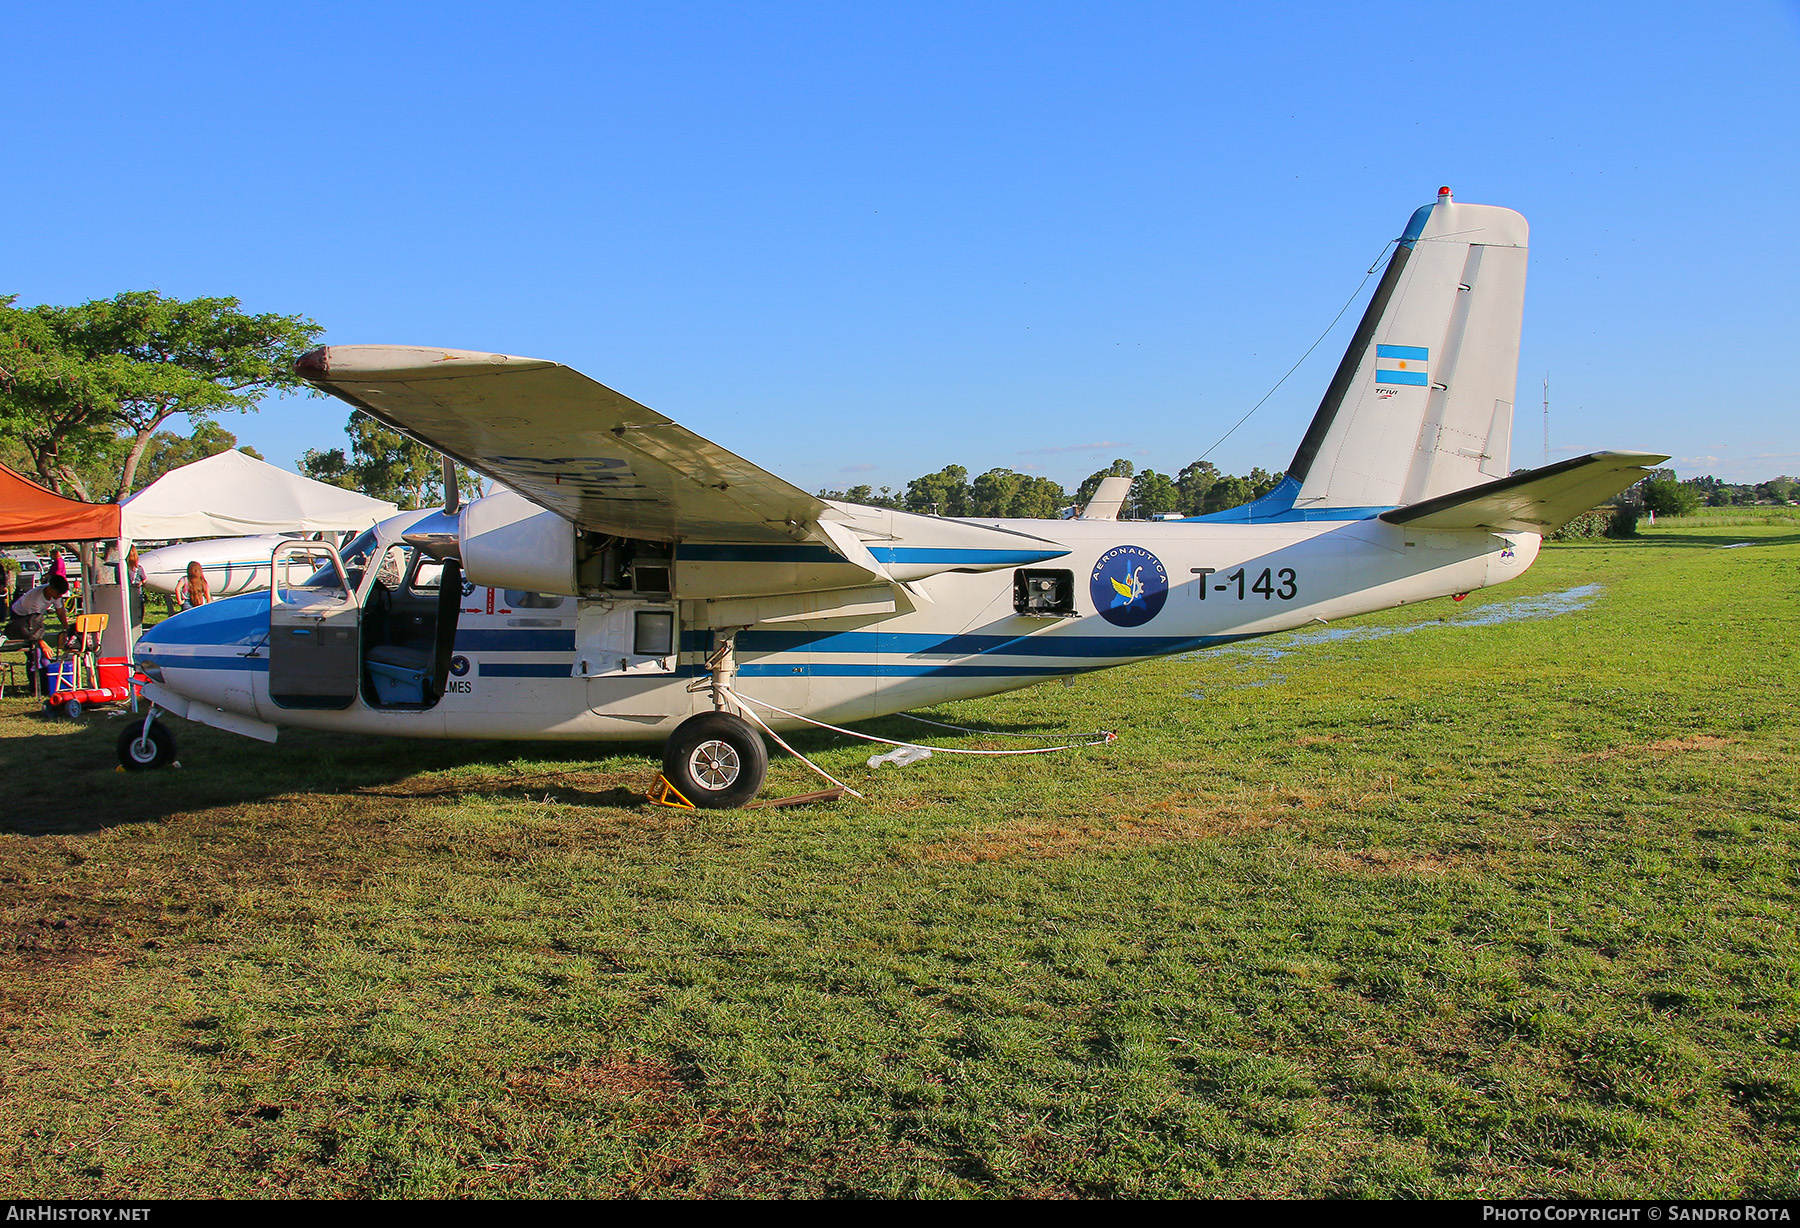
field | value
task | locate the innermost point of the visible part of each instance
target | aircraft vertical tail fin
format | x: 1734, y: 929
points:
x: 1108, y: 498
x: 1422, y: 402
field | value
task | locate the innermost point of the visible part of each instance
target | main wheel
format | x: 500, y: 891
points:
x: 139, y: 753
x: 716, y: 760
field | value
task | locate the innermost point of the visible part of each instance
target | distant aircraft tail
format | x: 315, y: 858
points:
x: 1422, y: 403
x: 1107, y: 499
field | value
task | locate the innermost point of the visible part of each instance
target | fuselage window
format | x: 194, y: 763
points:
x: 518, y: 599
x: 427, y: 576
x: 653, y: 633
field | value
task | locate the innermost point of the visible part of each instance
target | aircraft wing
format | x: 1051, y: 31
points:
x: 566, y: 442
x: 1536, y: 501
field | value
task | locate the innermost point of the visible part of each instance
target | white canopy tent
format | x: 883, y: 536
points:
x: 233, y: 495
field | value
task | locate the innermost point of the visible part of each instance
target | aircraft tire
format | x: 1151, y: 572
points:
x: 716, y: 760
x: 136, y: 754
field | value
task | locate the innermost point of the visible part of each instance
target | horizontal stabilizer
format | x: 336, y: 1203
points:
x: 1536, y: 501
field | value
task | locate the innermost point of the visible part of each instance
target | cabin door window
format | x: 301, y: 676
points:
x: 315, y: 631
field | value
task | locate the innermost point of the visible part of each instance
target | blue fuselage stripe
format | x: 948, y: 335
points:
x: 527, y: 669
x: 845, y: 669
x: 735, y: 553
x: 895, y: 643
x: 233, y: 663
x: 496, y: 640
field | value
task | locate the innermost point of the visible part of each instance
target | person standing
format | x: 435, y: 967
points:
x: 193, y: 590
x: 135, y: 577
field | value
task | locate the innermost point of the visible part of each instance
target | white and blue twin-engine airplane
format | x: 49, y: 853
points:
x: 634, y: 582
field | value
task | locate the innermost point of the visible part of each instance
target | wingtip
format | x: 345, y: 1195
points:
x: 314, y: 365
x: 351, y: 364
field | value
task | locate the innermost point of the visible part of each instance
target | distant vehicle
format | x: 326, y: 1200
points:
x: 30, y: 567
x: 27, y: 562
x: 638, y: 582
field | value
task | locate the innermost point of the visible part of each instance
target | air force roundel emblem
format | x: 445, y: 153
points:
x: 1129, y: 586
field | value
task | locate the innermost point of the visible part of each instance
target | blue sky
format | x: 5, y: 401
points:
x: 856, y: 242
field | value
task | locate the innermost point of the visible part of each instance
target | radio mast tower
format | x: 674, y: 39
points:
x: 1546, y: 417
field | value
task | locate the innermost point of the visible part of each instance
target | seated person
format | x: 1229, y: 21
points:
x: 25, y: 616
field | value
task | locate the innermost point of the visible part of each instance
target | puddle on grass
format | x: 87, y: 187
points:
x: 1545, y: 605
x: 1271, y: 680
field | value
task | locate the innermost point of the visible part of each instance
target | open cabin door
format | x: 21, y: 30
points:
x: 315, y: 631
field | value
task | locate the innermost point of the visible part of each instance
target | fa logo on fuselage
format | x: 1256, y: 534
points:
x: 1129, y: 586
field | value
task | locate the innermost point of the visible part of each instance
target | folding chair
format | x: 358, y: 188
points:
x: 87, y: 628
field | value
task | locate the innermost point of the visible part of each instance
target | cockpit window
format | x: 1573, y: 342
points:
x: 356, y: 554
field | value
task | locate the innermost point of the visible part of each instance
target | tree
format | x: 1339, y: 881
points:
x: 1667, y: 497
x: 994, y: 492
x: 99, y: 379
x: 1118, y: 469
x: 1153, y: 494
x: 384, y: 464
x: 1193, y: 482
x: 1226, y: 493
x: 167, y: 451
x: 1262, y: 482
x: 865, y: 495
x: 1005, y: 494
x: 1038, y: 499
x: 1663, y: 495
x: 944, y: 493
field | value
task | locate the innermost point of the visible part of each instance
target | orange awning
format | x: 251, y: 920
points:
x: 30, y: 514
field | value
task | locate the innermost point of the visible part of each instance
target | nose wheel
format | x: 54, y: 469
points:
x: 716, y: 760
x: 144, y: 745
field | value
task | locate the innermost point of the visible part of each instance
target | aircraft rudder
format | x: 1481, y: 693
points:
x: 1421, y: 402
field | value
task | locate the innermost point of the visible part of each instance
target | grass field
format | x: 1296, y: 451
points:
x: 1728, y: 517
x: 1477, y: 899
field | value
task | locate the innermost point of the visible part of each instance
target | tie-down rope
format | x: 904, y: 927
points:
x: 743, y: 703
x: 1100, y: 739
x: 1103, y: 735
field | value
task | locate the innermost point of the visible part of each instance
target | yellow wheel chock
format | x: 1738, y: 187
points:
x: 661, y: 791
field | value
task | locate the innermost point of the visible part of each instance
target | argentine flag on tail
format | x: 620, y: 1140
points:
x: 1401, y: 364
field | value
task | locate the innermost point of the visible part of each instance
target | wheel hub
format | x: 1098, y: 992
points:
x: 715, y: 764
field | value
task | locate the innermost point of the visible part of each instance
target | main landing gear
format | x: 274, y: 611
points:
x: 716, y: 760
x: 144, y: 745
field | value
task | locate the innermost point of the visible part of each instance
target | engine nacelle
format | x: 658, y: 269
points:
x: 508, y: 541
